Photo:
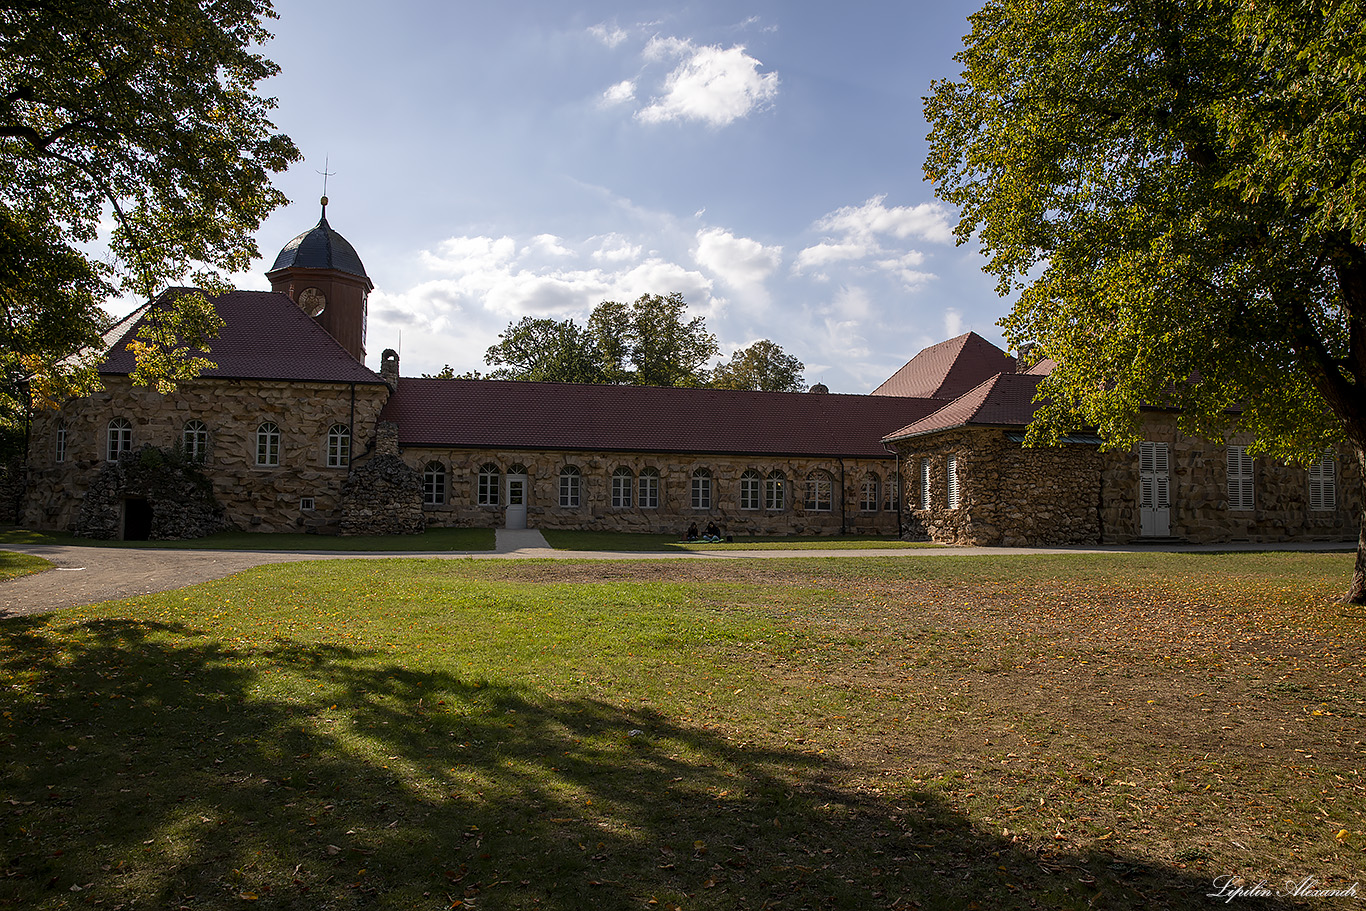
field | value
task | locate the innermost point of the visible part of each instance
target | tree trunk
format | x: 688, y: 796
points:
x: 1357, y: 593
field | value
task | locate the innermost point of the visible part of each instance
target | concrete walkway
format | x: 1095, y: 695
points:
x: 87, y: 574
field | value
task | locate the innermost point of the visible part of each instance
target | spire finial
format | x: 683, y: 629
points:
x: 326, y: 174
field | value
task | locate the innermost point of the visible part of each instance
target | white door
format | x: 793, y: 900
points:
x: 516, y: 500
x: 1154, y: 503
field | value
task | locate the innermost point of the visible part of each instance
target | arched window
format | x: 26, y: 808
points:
x: 818, y: 489
x: 434, y: 484
x: 268, y: 444
x: 60, y: 454
x: 571, y: 485
x: 649, y: 488
x: 775, y: 490
x: 120, y: 438
x: 750, y: 482
x: 868, y: 498
x: 701, y: 489
x: 622, y: 482
x: 338, y: 446
x: 489, y: 482
x: 194, y: 441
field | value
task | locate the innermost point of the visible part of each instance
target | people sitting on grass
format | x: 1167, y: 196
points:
x: 691, y: 533
x: 712, y: 534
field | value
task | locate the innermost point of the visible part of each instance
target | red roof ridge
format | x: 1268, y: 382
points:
x: 1004, y: 400
x: 948, y: 369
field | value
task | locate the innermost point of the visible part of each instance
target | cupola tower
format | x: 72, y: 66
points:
x: 321, y: 272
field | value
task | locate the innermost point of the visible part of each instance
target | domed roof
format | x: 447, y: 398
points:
x: 320, y: 248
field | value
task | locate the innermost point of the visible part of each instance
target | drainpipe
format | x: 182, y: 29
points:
x: 351, y: 430
x: 900, y: 526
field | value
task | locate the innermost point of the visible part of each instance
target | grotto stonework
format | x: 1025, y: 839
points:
x: 174, y: 490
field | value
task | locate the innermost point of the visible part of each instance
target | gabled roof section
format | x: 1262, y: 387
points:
x: 948, y: 369
x: 1005, y: 400
x: 517, y: 415
x: 265, y: 337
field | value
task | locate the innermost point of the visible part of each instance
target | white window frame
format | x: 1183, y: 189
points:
x: 648, y: 488
x: 268, y: 445
x: 751, y: 483
x: 338, y: 446
x: 194, y: 441
x: 775, y: 491
x: 868, y: 493
x: 434, y: 484
x: 926, y: 474
x: 701, y: 489
x: 571, y: 487
x: 59, y: 454
x: 820, y: 492
x: 490, y: 479
x: 951, y: 481
x: 119, y: 439
x: 623, y: 485
x: 1323, y: 483
x: 1241, y: 479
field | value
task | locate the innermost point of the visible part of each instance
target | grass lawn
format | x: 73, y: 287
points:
x: 1076, y: 731
x: 433, y: 540
x: 12, y: 565
x: 627, y: 542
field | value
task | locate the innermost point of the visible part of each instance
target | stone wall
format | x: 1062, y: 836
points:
x: 675, y: 512
x: 179, y: 496
x: 1008, y: 495
x: 254, y: 497
x: 382, y: 495
x: 13, y: 483
x: 1200, y: 512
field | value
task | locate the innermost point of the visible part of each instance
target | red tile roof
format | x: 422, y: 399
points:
x: 265, y: 336
x: 948, y: 369
x: 1006, y: 400
x: 515, y: 415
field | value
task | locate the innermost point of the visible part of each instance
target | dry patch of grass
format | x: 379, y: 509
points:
x: 1074, y: 732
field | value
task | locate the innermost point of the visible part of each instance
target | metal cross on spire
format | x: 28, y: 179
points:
x: 326, y: 174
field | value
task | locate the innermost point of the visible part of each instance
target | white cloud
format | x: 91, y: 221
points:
x: 927, y: 221
x: 826, y: 252
x: 953, y: 323
x: 608, y: 35
x: 613, y: 248
x: 738, y: 261
x: 715, y: 85
x: 666, y: 48
x: 620, y: 93
x: 547, y: 244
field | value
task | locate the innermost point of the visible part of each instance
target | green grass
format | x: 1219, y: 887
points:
x: 433, y: 540
x: 629, y: 542
x: 13, y: 565
x: 1082, y: 731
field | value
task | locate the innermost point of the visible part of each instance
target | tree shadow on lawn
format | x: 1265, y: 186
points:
x: 152, y: 765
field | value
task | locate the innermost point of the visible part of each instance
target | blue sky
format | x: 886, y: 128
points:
x: 494, y: 161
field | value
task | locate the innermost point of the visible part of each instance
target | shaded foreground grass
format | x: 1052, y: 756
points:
x: 633, y: 542
x: 13, y: 565
x: 1086, y: 731
x: 433, y: 540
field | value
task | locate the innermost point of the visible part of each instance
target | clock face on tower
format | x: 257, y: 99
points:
x: 312, y: 301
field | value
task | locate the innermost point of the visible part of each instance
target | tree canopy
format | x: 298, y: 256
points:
x: 142, y: 113
x: 1176, y: 190
x: 763, y: 366
x: 648, y: 342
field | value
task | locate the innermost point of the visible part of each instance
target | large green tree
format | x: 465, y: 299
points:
x: 648, y: 342
x: 544, y: 350
x: 142, y: 114
x: 1176, y: 190
x: 762, y: 366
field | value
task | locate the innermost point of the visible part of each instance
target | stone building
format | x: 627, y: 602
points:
x: 970, y: 480
x: 291, y: 431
